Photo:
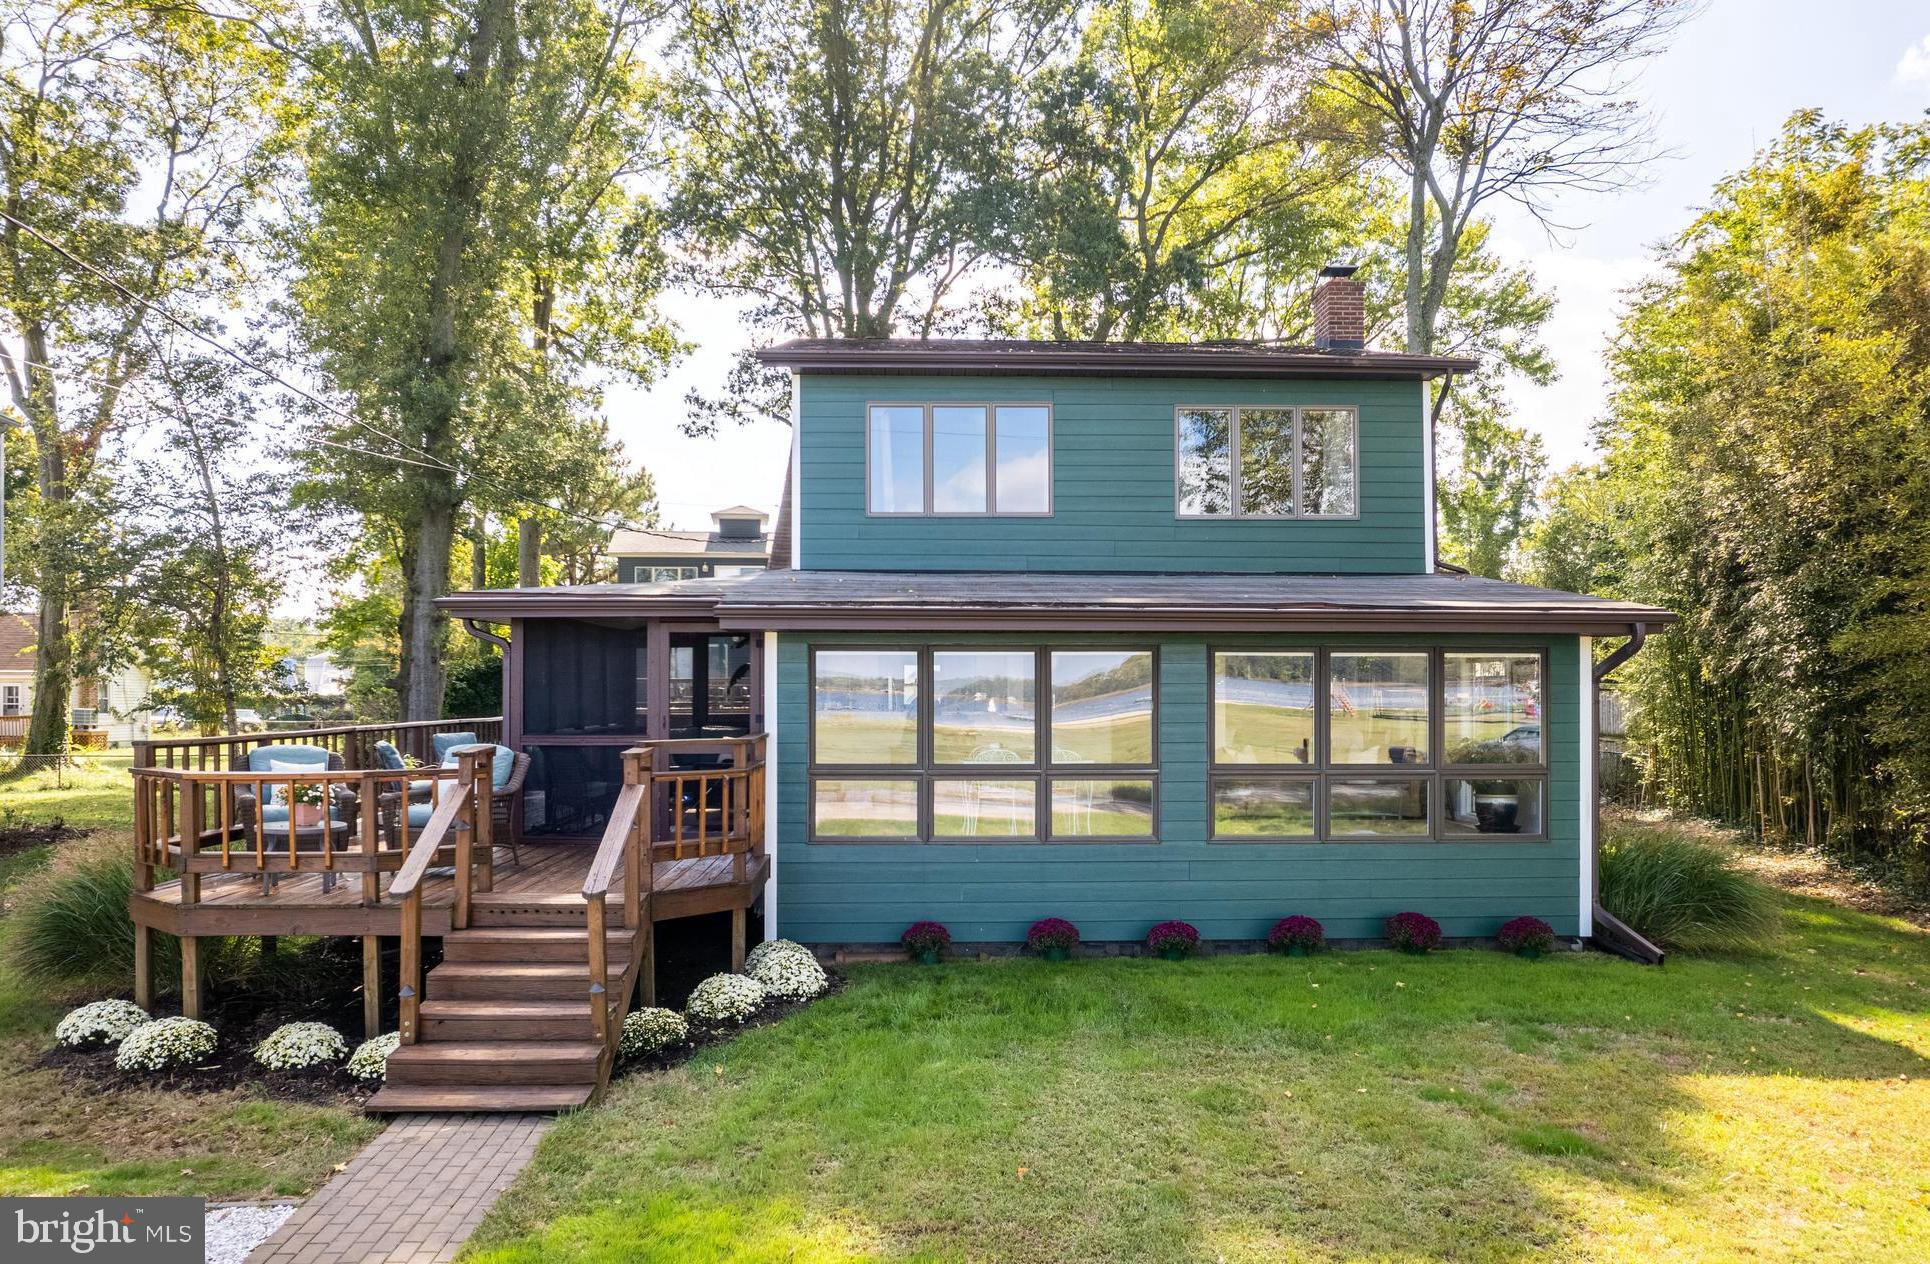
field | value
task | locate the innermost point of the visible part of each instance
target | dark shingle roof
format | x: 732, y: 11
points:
x: 1107, y: 359
x: 17, y: 641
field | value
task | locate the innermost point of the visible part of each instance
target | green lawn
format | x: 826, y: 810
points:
x: 62, y: 1136
x: 1353, y: 1106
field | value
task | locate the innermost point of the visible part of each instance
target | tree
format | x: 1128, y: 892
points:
x: 208, y: 540
x: 1488, y: 497
x: 474, y: 260
x: 1473, y: 100
x: 1176, y: 146
x: 94, y: 97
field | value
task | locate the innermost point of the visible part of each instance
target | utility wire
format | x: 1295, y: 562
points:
x: 434, y: 462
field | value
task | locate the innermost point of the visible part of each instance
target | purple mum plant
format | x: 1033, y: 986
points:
x: 925, y: 940
x: 1296, y: 936
x: 1053, y: 938
x: 1173, y: 940
x: 1526, y: 937
x: 1413, y: 932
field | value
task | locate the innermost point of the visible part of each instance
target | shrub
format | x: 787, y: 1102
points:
x: 370, y: 1061
x: 164, y: 1043
x: 774, y: 947
x: 1173, y: 939
x: 100, y: 1023
x: 725, y: 998
x: 1529, y: 936
x: 1303, y: 933
x: 1052, y: 935
x: 69, y: 927
x: 298, y: 1046
x: 1413, y: 932
x: 647, y: 1031
x: 789, y: 976
x: 925, y: 939
x: 1681, y: 893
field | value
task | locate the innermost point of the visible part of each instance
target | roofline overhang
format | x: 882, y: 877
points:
x: 1193, y: 619
x: 1185, y: 362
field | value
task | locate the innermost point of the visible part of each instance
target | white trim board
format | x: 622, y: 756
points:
x: 1590, y: 793
x: 770, y: 783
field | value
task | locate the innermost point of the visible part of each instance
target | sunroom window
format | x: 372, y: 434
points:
x: 1359, y: 745
x: 952, y: 743
x: 1266, y: 462
x: 959, y: 459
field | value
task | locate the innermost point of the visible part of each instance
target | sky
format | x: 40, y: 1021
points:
x: 1718, y: 94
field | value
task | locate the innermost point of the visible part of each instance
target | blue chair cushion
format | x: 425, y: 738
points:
x: 419, y: 814
x: 277, y: 814
x: 261, y: 757
x: 500, y: 767
x: 387, y: 757
x: 443, y: 743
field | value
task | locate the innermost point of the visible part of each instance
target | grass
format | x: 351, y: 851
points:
x: 1682, y: 892
x: 1350, y: 1106
x: 62, y: 1136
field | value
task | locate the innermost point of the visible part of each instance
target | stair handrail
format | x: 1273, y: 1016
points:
x: 457, y: 812
x: 621, y: 845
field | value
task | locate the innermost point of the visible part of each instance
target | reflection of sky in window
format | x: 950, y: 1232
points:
x: 897, y: 459
x: 1024, y: 464
x: 1327, y: 450
x: 958, y: 460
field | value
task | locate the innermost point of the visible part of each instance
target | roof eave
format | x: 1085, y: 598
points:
x: 1381, y: 366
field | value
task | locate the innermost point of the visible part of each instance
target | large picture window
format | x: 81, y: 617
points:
x: 964, y: 744
x: 1400, y: 744
x: 1266, y: 462
x: 959, y: 459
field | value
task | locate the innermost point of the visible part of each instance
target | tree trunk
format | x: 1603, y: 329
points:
x: 1418, y: 335
x: 426, y: 629
x: 54, y: 643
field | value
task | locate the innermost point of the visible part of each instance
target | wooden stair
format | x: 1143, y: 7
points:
x: 505, y: 1024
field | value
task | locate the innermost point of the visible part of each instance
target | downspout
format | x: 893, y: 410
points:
x: 475, y: 628
x: 1611, y: 933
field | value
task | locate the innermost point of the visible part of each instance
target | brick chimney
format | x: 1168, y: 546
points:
x: 1339, y: 309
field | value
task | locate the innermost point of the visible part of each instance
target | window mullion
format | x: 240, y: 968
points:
x: 1237, y: 509
x: 1299, y: 460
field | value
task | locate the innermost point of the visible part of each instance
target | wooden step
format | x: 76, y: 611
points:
x: 511, y: 1021
x: 539, y: 1098
x: 537, y: 910
x: 511, y: 981
x: 478, y: 1064
x: 532, y: 944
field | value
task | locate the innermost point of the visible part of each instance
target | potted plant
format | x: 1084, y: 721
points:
x: 925, y: 941
x: 305, y: 799
x: 1413, y: 932
x: 1526, y: 937
x: 1174, y: 940
x: 1296, y: 936
x: 1053, y: 938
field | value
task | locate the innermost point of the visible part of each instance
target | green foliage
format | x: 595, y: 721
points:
x: 1487, y: 494
x: 1685, y: 894
x: 476, y: 687
x: 1767, y: 476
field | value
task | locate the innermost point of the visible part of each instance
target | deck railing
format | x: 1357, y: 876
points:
x: 355, y: 743
x: 459, y: 817
x: 716, y: 811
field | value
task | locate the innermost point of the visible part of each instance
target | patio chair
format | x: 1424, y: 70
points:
x: 508, y: 770
x: 343, y: 807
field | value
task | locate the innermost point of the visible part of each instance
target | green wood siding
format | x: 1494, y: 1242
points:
x: 869, y: 892
x: 1112, y: 495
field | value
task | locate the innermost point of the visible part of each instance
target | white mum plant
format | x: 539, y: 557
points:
x: 649, y: 1031
x: 100, y: 1023
x: 725, y: 998
x: 790, y: 976
x: 164, y: 1043
x: 297, y: 1046
x: 774, y: 948
x: 370, y: 1061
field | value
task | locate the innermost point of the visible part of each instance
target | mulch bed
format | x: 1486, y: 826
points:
x: 19, y: 836
x: 232, y: 1068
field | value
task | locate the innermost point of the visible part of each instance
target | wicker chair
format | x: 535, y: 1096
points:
x: 502, y: 807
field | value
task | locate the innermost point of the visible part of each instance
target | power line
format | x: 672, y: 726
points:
x: 434, y: 462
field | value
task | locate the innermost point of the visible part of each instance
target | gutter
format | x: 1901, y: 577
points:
x: 1612, y: 934
x: 475, y: 628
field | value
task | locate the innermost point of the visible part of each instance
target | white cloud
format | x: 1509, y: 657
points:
x: 1914, y: 70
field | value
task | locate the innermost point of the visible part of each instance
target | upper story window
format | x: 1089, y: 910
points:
x: 959, y: 459
x: 1267, y: 462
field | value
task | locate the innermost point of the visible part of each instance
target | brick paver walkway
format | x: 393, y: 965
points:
x: 412, y: 1196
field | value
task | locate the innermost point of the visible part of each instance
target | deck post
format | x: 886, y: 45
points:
x: 737, y: 939
x: 144, y: 966
x: 646, y: 942
x: 190, y: 896
x: 371, y: 986
x: 190, y: 976
x: 486, y: 826
x: 370, y: 829
x: 467, y: 778
x: 410, y: 986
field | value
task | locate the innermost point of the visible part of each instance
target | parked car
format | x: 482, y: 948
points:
x: 292, y: 721
x: 248, y: 720
x: 167, y: 718
x: 1528, y: 735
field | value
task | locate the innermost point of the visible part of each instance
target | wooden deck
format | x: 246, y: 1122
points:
x: 548, y: 881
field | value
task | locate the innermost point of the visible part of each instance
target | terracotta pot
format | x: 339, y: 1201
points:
x: 307, y: 815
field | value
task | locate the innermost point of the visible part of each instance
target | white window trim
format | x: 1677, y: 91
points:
x: 1234, y: 512
x: 991, y: 509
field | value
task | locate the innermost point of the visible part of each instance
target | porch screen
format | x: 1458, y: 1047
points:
x: 583, y: 678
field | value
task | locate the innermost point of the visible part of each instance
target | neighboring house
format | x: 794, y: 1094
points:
x: 104, y: 711
x: 1114, y: 632
x: 316, y: 674
x: 735, y: 545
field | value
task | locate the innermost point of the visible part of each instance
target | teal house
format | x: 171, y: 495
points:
x: 1113, y: 632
